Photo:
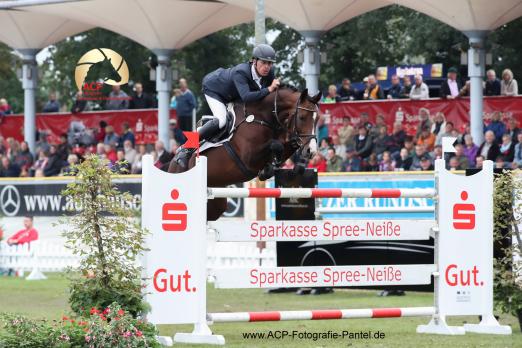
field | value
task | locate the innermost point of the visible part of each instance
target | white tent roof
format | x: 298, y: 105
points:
x: 468, y: 15
x: 156, y: 24
x: 20, y: 29
x: 305, y: 15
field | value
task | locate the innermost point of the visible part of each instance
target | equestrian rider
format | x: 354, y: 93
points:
x: 245, y: 82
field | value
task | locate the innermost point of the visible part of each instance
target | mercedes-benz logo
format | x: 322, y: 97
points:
x: 10, y: 200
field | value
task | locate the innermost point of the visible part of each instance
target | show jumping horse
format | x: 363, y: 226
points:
x: 266, y: 133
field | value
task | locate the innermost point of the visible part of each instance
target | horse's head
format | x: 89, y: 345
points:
x: 300, y: 118
x: 107, y: 69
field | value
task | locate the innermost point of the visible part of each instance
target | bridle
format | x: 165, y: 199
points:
x: 296, y: 138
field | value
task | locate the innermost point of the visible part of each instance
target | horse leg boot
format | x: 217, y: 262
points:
x: 205, y: 133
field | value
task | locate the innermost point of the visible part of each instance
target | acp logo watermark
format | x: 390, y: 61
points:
x: 99, y: 67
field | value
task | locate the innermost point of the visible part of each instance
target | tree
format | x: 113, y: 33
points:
x: 10, y: 86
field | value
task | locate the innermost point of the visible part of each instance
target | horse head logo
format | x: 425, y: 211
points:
x: 101, y: 64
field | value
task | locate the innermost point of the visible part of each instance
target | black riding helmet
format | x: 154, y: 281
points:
x: 264, y: 52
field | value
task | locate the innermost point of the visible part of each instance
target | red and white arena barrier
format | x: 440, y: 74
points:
x: 321, y: 314
x: 174, y: 210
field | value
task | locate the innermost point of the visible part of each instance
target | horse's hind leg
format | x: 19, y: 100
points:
x: 215, y: 208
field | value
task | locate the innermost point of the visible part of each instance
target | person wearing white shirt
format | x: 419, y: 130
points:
x: 419, y: 90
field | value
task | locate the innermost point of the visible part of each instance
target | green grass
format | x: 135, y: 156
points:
x: 48, y: 299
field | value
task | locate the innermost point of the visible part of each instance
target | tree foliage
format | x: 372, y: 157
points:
x: 10, y: 86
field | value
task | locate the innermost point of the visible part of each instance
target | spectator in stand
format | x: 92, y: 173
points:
x: 449, y: 89
x: 351, y: 163
x: 130, y: 152
x: 453, y: 164
x: 489, y: 148
x: 448, y: 132
x: 346, y: 92
x: 437, y: 152
x: 110, y: 136
x: 322, y: 128
x: 63, y: 149
x: 42, y: 143
x: 40, y: 163
x: 395, y: 90
x: 126, y: 134
x: 409, y: 144
x: 24, y: 158
x: 465, y: 91
x: 420, y: 90
x: 403, y: 161
x: 500, y: 163
x: 3, y: 147
x: 173, y: 101
x: 507, y: 149
x: 406, y: 87
x: 340, y: 148
x: 118, y: 99
x: 470, y: 150
x: 101, y: 133
x: 383, y: 142
x: 517, y: 160
x: 318, y: 162
x: 5, y: 108
x: 185, y: 106
x: 54, y: 164
x: 27, y: 235
x: 109, y: 150
x: 426, y: 163
x: 346, y: 132
x: 479, y: 161
x: 492, y: 85
x: 461, y: 158
x: 334, y: 162
x: 386, y: 164
x: 424, y: 120
x: 324, y: 145
x: 9, y: 169
x: 496, y: 126
x: 52, y: 104
x: 69, y: 168
x: 80, y: 104
x: 332, y: 96
x: 512, y: 129
x: 427, y: 139
x: 163, y: 156
x: 372, y: 164
x: 140, y: 99
x: 374, y: 91
x: 420, y: 152
x: 365, y: 121
x: 363, y: 143
x: 379, y: 123
x: 136, y: 165
x: 439, y: 123
x: 398, y: 136
x: 508, y: 85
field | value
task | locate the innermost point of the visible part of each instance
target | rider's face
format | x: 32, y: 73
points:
x: 263, y: 67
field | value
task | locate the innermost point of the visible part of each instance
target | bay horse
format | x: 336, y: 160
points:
x: 265, y: 132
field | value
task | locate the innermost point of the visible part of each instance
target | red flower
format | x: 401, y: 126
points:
x: 106, y: 311
x: 102, y: 317
x: 72, y: 321
x: 94, y: 311
x: 139, y: 333
x: 82, y: 323
x: 64, y: 318
x: 121, y: 312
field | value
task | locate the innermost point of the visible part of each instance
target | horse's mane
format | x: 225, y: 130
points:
x: 288, y: 86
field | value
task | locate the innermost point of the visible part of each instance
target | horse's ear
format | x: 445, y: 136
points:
x: 304, y: 95
x: 315, y: 99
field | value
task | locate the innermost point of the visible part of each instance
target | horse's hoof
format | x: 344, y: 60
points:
x: 266, y: 173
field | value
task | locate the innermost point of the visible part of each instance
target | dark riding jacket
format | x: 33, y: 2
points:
x: 236, y: 84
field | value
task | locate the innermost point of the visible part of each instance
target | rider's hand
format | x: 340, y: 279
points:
x: 274, y: 85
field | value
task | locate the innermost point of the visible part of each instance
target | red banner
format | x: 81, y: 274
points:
x: 406, y: 111
x: 144, y: 123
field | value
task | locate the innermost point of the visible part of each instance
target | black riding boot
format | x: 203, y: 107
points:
x: 206, y: 132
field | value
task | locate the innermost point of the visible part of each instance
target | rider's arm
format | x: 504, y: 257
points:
x: 241, y: 83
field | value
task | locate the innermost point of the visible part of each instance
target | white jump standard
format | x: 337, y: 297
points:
x: 174, y: 211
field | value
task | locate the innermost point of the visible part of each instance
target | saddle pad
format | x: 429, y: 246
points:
x: 208, y: 145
